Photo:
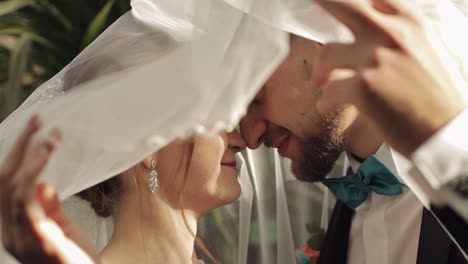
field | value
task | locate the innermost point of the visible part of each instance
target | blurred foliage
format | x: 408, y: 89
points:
x: 39, y: 37
x: 317, y: 234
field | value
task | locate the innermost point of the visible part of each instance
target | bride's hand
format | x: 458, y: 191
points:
x: 34, y: 227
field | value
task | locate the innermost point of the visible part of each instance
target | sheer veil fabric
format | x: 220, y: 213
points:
x: 168, y: 69
x: 169, y: 76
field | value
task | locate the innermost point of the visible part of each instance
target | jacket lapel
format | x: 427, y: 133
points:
x: 434, y: 244
x: 335, y: 244
x: 454, y: 224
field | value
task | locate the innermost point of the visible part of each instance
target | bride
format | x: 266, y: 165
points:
x: 155, y: 204
x: 160, y: 72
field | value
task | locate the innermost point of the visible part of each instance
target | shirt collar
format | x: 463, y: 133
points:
x: 388, y: 156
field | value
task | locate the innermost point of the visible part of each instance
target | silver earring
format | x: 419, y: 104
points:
x: 153, y: 178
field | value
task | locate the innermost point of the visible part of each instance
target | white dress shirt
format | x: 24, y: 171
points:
x: 440, y: 161
x: 385, y: 228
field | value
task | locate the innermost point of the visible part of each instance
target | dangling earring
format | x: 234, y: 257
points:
x: 153, y: 178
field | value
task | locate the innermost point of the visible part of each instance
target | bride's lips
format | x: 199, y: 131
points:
x: 229, y: 164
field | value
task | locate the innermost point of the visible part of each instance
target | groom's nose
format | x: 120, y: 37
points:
x: 253, y: 128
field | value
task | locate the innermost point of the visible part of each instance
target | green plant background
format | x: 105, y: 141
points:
x: 39, y: 37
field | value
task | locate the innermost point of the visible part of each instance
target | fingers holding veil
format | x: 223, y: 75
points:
x: 27, y: 207
x: 23, y: 162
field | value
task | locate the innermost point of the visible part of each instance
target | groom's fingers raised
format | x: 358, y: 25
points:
x: 369, y: 28
x: 361, y: 18
x: 396, y: 8
x: 338, y: 56
x: 340, y: 92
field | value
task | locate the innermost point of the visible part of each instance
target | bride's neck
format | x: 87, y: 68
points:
x: 148, y: 232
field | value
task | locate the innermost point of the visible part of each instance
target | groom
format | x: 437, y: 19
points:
x: 390, y: 226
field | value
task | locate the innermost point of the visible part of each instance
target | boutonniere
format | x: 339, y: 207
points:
x: 311, y: 250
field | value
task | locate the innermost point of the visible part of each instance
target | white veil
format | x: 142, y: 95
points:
x: 143, y: 83
x: 168, y: 69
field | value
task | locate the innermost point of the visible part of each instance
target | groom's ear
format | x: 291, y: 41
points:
x: 148, y: 160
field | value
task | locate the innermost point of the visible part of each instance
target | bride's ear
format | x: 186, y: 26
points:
x: 148, y: 160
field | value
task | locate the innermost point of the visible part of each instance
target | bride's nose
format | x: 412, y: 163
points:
x: 235, y: 141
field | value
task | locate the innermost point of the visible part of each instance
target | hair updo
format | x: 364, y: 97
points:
x: 103, y: 196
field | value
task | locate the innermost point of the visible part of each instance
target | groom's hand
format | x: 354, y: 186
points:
x: 398, y: 79
x: 34, y: 227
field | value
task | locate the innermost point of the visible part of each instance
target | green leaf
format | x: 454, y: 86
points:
x: 10, y: 6
x: 55, y: 12
x: 317, y: 234
x: 123, y: 6
x: 220, y: 222
x: 313, y: 228
x: 24, y: 31
x: 4, y: 58
x: 315, y: 241
x: 45, y: 24
x: 98, y: 23
x: 18, y: 62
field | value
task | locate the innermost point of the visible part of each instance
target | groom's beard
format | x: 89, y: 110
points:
x: 319, y: 152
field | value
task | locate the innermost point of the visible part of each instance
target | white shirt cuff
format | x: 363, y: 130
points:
x: 444, y: 156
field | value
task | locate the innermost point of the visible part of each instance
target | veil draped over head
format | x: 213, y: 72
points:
x: 168, y: 69
x: 162, y: 71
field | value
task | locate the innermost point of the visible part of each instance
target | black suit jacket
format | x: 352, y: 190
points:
x: 435, y: 245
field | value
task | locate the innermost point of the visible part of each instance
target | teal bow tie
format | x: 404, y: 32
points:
x: 372, y: 175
